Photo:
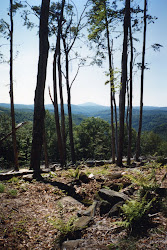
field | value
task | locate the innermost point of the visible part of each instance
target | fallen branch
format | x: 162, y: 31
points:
x: 17, y: 127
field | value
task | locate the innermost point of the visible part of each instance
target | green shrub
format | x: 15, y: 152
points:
x: 2, y: 188
x: 74, y: 173
x: 12, y: 192
x: 146, y: 182
x: 135, y: 213
x: 14, y: 180
x: 65, y: 228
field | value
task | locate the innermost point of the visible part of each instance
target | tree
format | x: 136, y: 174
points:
x: 7, y: 31
x: 123, y: 84
x: 92, y: 139
x: 130, y: 94
x: 11, y: 90
x: 142, y: 82
x: 39, y: 110
x: 99, y: 21
x: 69, y: 36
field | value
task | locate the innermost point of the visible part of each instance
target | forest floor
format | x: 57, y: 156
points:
x: 29, y: 211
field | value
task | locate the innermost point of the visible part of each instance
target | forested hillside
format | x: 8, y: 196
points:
x: 154, y: 118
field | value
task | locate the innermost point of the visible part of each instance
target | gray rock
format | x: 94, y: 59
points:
x: 114, y: 175
x: 115, y: 210
x: 28, y: 177
x: 105, y: 207
x: 90, y: 211
x: 83, y: 222
x: 111, y: 196
x: 128, y: 190
x: 71, y: 244
x: 69, y: 199
x: 83, y: 177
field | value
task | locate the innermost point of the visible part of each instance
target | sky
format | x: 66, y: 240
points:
x: 89, y: 85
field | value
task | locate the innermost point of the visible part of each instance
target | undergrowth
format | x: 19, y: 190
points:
x: 65, y: 228
x: 135, y: 214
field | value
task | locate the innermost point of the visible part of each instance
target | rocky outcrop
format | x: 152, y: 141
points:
x: 86, y: 217
x: 111, y: 196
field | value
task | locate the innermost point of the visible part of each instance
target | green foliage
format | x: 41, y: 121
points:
x: 64, y: 227
x: 150, y: 143
x: 128, y: 243
x: 14, y: 180
x: 2, y: 188
x: 12, y: 192
x: 51, y: 137
x: 135, y: 213
x: 146, y: 182
x: 74, y: 173
x: 6, y: 148
x: 93, y: 139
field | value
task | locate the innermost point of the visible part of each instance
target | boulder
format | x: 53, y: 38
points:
x: 111, y: 196
x: 86, y: 217
x: 71, y: 244
x: 69, y: 199
x: 112, y: 185
x: 83, y: 222
x: 28, y: 177
x: 105, y: 207
x: 114, y: 175
x: 116, y: 209
x: 90, y: 211
x: 83, y: 177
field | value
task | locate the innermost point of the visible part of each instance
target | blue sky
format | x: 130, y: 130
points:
x: 90, y: 83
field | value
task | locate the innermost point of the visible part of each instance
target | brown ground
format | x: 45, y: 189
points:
x: 28, y: 218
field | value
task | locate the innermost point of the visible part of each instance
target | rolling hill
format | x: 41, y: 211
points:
x: 154, y: 118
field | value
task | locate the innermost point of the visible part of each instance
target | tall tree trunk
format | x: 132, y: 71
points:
x: 69, y: 110
x: 61, y: 99
x: 123, y: 87
x: 142, y: 82
x: 111, y: 86
x: 56, y: 113
x: 39, y: 110
x: 130, y: 96
x: 16, y: 164
x: 58, y: 54
x: 116, y: 126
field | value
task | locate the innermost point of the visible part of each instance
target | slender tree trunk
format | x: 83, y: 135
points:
x: 61, y: 102
x: 142, y: 82
x: 58, y: 55
x: 69, y: 110
x: 16, y: 164
x: 123, y: 87
x: 111, y: 87
x: 45, y: 148
x: 39, y: 110
x: 56, y: 113
x: 116, y: 126
x: 130, y: 96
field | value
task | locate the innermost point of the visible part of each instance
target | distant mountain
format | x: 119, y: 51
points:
x: 88, y: 104
x: 18, y: 106
x: 154, y: 118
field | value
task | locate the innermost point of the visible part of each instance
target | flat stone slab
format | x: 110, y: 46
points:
x: 90, y: 211
x: 69, y: 199
x: 82, y: 222
x: 114, y: 175
x: 72, y: 244
x: 112, y: 196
